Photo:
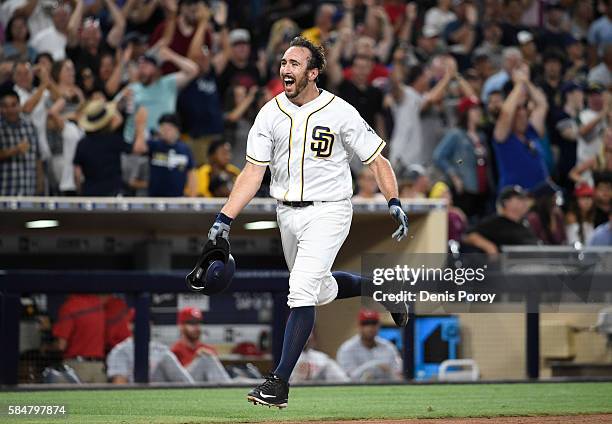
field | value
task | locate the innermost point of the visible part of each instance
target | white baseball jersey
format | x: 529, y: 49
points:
x: 308, y: 147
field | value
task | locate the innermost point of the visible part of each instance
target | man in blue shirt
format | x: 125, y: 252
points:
x: 518, y: 134
x: 171, y: 164
x: 600, y: 31
x: 155, y: 92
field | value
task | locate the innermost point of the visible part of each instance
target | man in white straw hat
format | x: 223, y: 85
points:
x: 98, y: 156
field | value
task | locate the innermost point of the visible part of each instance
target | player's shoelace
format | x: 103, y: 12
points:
x: 269, y: 386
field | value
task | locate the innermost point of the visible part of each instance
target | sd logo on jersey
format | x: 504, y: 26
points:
x: 323, y: 141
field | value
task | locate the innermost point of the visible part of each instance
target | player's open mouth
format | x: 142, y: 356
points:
x: 288, y: 81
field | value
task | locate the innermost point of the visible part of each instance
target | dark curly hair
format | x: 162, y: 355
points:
x: 317, y: 56
x: 8, y: 32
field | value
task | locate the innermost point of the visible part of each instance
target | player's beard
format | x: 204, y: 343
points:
x: 300, y: 84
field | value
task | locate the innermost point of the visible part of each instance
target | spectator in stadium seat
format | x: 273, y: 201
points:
x: 579, y: 218
x: 368, y: 357
x: 16, y: 38
x: 592, y: 122
x: 461, y: 34
x: 184, y: 27
x: 464, y: 157
x: 512, y: 24
x: 323, y: 24
x: 602, y: 73
x: 546, y: 218
x: 506, y: 227
x: 85, y: 45
x: 564, y: 132
x: 200, y: 360
x: 529, y: 50
x: 241, y: 106
x: 602, y: 235
x: 34, y: 99
x: 555, y: 31
x: 601, y: 162
x: 518, y: 132
x: 366, y: 46
x: 36, y: 13
x: 316, y: 366
x: 551, y: 83
x: 21, y: 172
x: 202, y: 124
x: 600, y: 31
x: 218, y: 171
x: 367, y: 189
x: 491, y: 43
x: 457, y: 221
x: 171, y: 165
x: 235, y: 66
x: 581, y: 19
x: 602, y: 196
x: 97, y: 158
x: 437, y: 17
x: 511, y: 59
x: 79, y: 331
x: 407, y: 140
x: 53, y: 38
x: 358, y: 91
x: 64, y: 76
x: 577, y: 68
x: 156, y: 93
x: 415, y: 183
x: 61, y: 166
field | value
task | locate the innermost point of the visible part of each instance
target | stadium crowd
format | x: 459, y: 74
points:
x: 484, y: 102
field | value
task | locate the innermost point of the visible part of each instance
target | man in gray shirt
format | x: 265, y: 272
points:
x: 368, y: 357
x: 163, y: 365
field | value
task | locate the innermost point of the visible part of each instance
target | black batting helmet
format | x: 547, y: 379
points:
x: 214, y: 270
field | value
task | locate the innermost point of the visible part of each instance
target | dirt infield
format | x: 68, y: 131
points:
x: 572, y: 419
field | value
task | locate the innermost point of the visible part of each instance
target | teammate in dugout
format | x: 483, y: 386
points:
x: 307, y: 137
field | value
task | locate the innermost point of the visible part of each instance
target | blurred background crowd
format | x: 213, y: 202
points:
x: 503, y: 107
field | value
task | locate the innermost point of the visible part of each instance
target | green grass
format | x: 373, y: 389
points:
x: 321, y: 403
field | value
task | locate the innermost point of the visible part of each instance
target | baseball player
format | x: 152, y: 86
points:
x: 307, y: 137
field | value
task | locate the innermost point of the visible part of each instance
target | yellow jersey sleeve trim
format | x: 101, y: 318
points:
x: 379, y: 149
x: 256, y: 162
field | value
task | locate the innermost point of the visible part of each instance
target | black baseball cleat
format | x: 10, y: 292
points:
x: 401, y: 318
x: 272, y: 392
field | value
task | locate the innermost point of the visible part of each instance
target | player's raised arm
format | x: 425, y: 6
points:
x: 245, y: 188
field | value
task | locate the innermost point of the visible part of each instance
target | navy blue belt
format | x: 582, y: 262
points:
x: 297, y: 204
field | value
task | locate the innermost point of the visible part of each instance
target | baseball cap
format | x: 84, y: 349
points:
x: 367, y: 316
x: 583, y: 190
x: 509, y: 192
x: 553, y: 4
x: 414, y: 172
x: 239, y: 35
x: 134, y: 37
x: 151, y: 58
x: 247, y: 349
x: 430, y: 31
x: 569, y: 40
x: 594, y: 87
x: 467, y: 103
x: 189, y: 315
x: 524, y: 37
x: 570, y: 86
x: 545, y: 188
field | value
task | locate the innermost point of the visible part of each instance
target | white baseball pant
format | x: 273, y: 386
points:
x: 312, y: 237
